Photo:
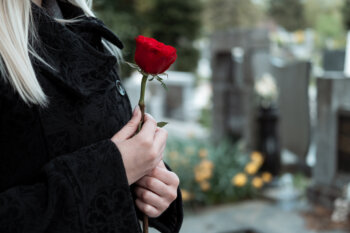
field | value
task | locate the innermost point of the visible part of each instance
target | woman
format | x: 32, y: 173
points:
x: 70, y: 160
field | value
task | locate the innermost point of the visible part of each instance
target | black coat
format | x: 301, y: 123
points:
x: 59, y: 170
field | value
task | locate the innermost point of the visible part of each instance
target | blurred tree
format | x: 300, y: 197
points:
x: 121, y: 16
x: 173, y: 22
x: 326, y: 19
x: 227, y: 14
x: 346, y: 14
x: 178, y: 23
x: 288, y: 13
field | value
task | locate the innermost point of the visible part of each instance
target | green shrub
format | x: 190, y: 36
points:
x: 212, y: 174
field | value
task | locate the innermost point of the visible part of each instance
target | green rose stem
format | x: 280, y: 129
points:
x: 142, y: 100
x: 142, y: 108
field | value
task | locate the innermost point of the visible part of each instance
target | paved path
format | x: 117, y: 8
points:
x: 261, y: 216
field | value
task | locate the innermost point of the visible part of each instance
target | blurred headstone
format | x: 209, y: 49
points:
x: 179, y: 96
x: 268, y: 141
x: 293, y: 104
x: 233, y: 76
x: 174, y: 103
x: 333, y: 60
x: 331, y: 171
x: 347, y: 56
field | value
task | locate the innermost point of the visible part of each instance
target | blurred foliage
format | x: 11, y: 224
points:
x: 173, y: 22
x: 346, y: 14
x: 301, y: 181
x: 178, y: 23
x: 227, y: 14
x: 122, y: 18
x: 215, y: 174
x: 288, y: 13
x: 326, y: 19
x: 205, y: 117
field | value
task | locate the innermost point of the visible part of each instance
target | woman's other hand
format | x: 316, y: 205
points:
x: 156, y: 191
x: 142, y: 152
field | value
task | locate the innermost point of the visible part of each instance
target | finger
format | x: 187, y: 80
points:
x: 151, y: 198
x: 130, y: 128
x: 160, y: 139
x: 149, y: 127
x: 166, y: 176
x: 147, y: 209
x: 161, y: 163
x: 153, y: 184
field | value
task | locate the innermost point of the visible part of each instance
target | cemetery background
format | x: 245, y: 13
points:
x: 258, y: 105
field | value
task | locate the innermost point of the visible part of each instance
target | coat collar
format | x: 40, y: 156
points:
x: 73, y: 49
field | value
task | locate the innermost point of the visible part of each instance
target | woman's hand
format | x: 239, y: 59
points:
x: 143, y: 152
x: 156, y: 191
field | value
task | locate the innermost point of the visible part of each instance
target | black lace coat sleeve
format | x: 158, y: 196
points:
x: 84, y: 191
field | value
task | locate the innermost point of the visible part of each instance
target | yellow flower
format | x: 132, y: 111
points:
x: 186, y: 196
x: 239, y: 180
x: 203, y: 153
x: 199, y: 177
x: 267, y: 177
x: 207, y: 164
x: 257, y: 182
x: 203, y: 170
x: 205, y: 185
x: 173, y: 155
x: 257, y: 158
x: 189, y: 150
x: 251, y: 168
x: 202, y: 174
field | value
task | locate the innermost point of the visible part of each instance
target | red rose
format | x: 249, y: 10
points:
x: 153, y: 57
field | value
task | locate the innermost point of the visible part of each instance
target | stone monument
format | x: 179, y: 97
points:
x: 293, y: 80
x: 234, y: 55
x: 332, y: 170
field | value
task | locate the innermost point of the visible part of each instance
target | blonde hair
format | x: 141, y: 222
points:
x: 17, y: 31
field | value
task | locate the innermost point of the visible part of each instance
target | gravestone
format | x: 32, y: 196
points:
x: 293, y: 104
x: 343, y: 142
x: 175, y: 103
x: 333, y: 60
x: 234, y: 54
x: 179, y: 96
x: 331, y: 172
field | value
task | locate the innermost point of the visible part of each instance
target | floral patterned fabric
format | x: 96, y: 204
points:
x: 59, y: 170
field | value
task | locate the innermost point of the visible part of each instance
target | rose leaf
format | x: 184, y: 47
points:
x: 162, y: 124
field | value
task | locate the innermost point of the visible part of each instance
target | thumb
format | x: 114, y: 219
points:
x: 130, y: 128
